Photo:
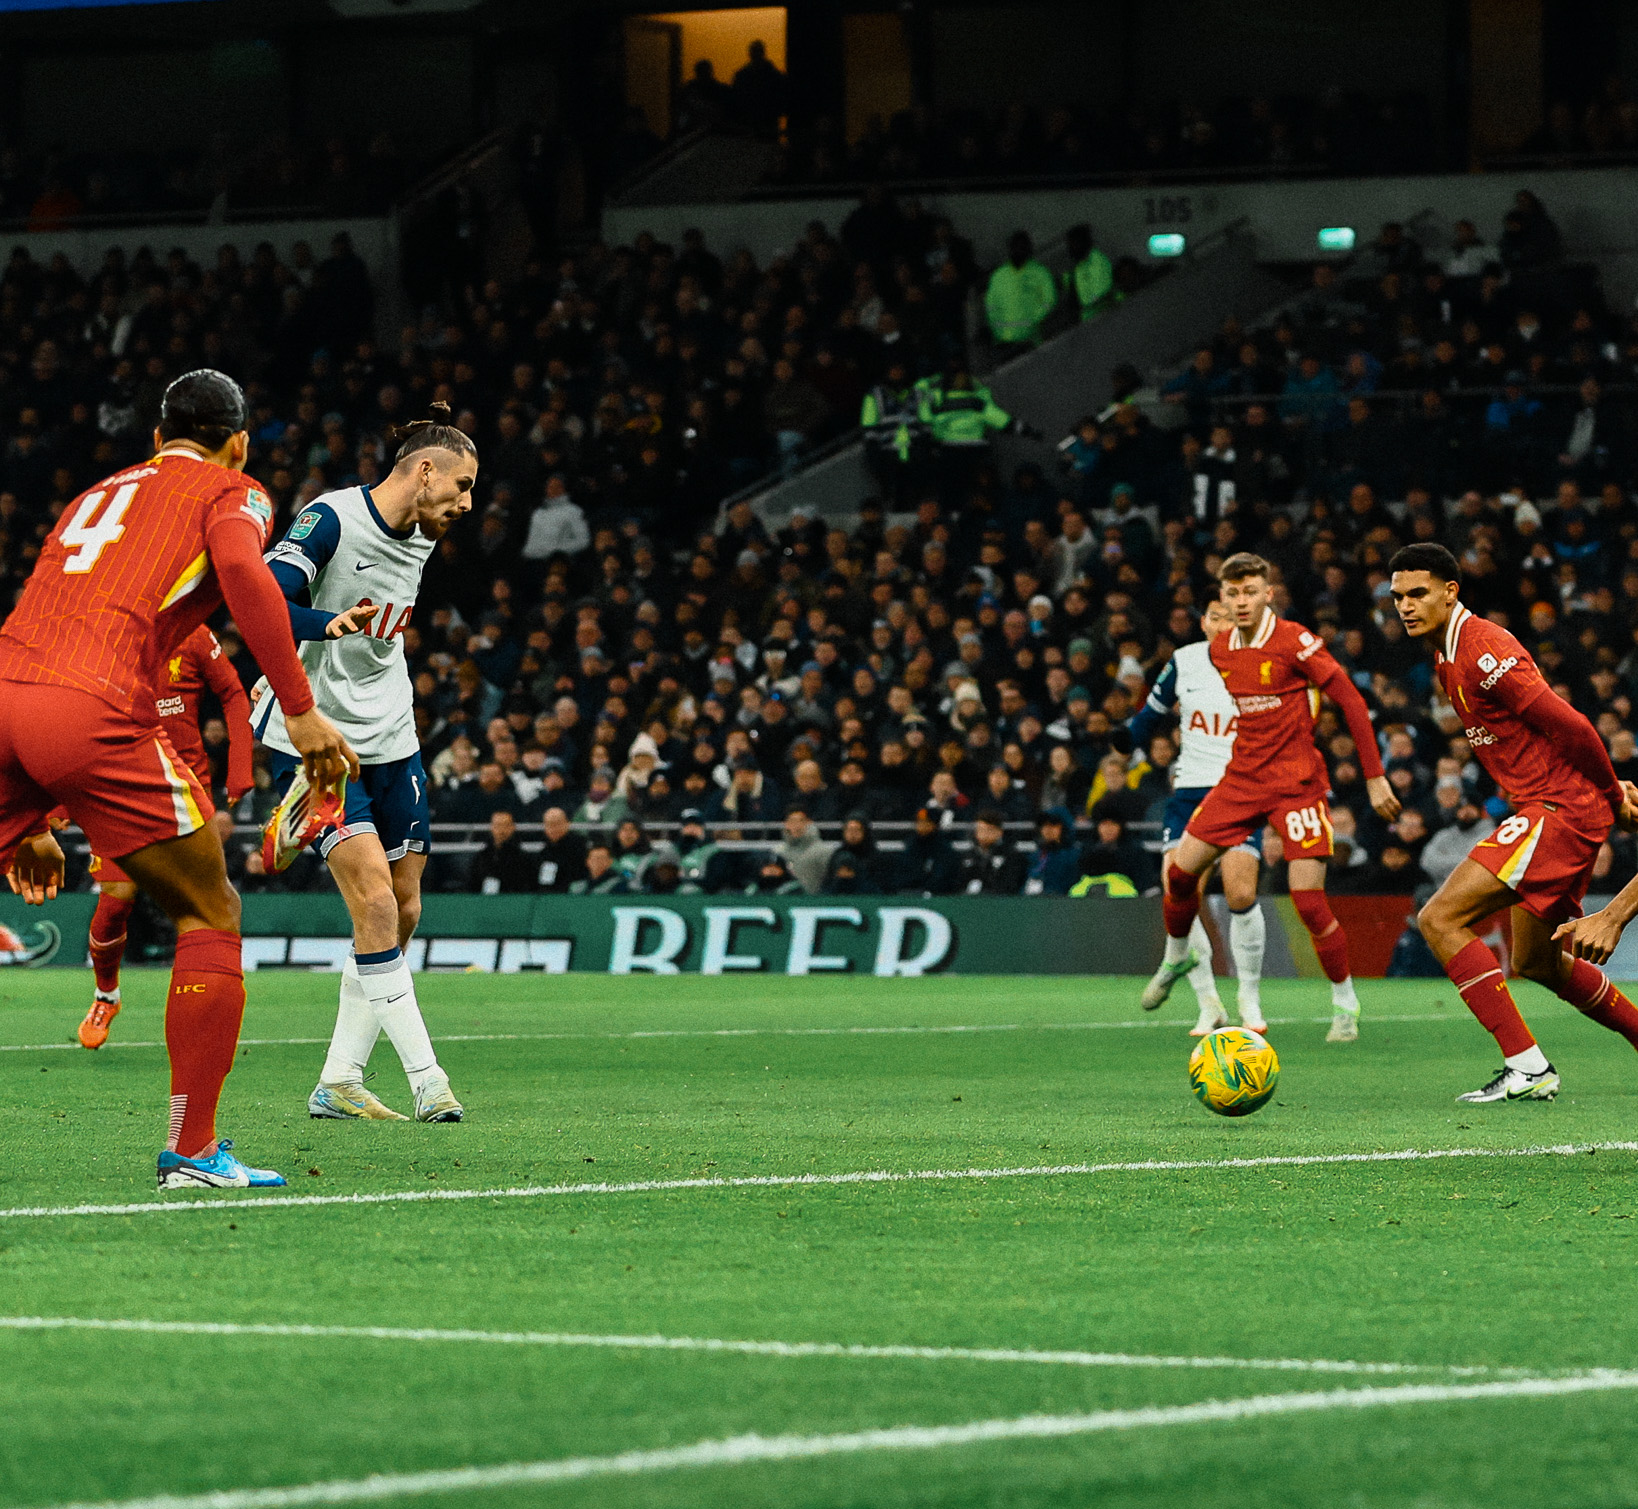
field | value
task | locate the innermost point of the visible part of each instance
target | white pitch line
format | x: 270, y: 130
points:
x: 794, y: 1181
x: 558, y: 1037
x: 786, y: 1349
x: 739, y: 1451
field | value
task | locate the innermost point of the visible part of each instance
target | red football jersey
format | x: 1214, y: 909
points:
x: 198, y: 663
x: 1490, y: 679
x: 125, y: 578
x: 1272, y: 678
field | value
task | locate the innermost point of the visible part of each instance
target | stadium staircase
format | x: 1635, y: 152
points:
x: 1064, y: 378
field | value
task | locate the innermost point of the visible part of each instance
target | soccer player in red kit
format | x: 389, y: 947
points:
x: 133, y: 567
x: 1551, y: 765
x: 1272, y: 668
x: 198, y: 663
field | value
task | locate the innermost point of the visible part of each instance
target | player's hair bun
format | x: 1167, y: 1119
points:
x: 436, y: 432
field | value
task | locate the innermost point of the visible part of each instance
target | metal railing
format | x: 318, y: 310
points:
x: 468, y: 838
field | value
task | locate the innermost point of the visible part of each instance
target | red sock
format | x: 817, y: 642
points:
x: 108, y: 940
x: 202, y: 1016
x: 1594, y: 995
x: 1477, y: 976
x: 1330, y: 942
x: 1181, y: 903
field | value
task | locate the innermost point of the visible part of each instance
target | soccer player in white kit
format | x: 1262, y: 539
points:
x: 364, y: 546
x: 1206, y: 718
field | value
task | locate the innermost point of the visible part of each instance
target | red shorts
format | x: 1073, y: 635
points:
x: 1230, y: 814
x: 121, y: 781
x: 1539, y: 855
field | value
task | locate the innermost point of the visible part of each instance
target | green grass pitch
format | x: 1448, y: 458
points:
x: 1491, y: 1264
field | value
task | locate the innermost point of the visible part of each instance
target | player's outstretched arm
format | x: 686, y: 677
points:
x: 314, y: 623
x: 1331, y: 679
x: 230, y: 692
x: 36, y: 872
x: 322, y: 749
x: 258, y: 608
x: 1149, y: 719
x: 1552, y: 718
x: 1594, y: 937
x: 352, y: 620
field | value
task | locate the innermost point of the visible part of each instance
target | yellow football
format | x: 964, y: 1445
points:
x: 1233, y: 1071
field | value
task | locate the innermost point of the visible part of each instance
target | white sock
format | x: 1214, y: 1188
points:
x: 1201, y: 977
x: 1248, y: 935
x: 356, y: 1031
x: 390, y: 990
x: 1531, y: 1061
x: 1343, y: 996
x: 1177, y: 949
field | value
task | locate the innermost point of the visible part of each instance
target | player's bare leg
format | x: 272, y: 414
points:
x: 187, y: 878
x: 1248, y: 934
x: 115, y: 898
x: 1181, y: 880
x: 377, y: 989
x: 1449, y: 922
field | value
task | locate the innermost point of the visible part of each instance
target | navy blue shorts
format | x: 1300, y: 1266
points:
x: 1180, y: 807
x: 388, y: 800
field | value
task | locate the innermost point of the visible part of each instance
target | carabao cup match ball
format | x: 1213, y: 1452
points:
x: 1233, y: 1072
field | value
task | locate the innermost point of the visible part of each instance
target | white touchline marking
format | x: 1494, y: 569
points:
x: 558, y: 1037
x: 789, y: 1349
x: 738, y: 1451
x: 789, y: 1181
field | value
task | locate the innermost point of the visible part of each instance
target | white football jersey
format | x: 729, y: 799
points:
x: 1206, y: 715
x: 348, y: 555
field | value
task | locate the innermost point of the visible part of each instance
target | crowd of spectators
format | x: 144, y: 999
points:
x: 1335, y: 133
x: 1604, y: 127
x: 630, y: 688
x: 924, y: 704
x: 53, y: 189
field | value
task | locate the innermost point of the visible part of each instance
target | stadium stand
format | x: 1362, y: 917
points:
x: 601, y: 639
x: 1337, y: 133
x: 55, y: 190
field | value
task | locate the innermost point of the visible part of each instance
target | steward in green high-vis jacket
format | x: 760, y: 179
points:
x: 960, y: 417
x: 1090, y: 281
x: 894, y: 437
x: 958, y: 412
x: 1021, y: 294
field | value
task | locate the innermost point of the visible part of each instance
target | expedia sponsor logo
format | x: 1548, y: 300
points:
x: 1309, y: 642
x: 1478, y: 735
x: 1250, y: 705
x: 1496, y: 668
x: 171, y: 707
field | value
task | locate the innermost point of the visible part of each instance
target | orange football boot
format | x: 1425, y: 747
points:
x: 94, y: 1029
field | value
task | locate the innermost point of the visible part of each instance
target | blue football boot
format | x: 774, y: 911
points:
x: 219, y: 1171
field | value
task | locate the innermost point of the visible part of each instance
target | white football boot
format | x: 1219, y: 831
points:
x: 1515, y: 1084
x: 348, y: 1103
x: 1164, y: 980
x: 435, y: 1101
x: 1212, y: 1016
x: 1344, y: 1028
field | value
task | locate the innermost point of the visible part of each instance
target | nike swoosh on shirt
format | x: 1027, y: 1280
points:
x: 363, y: 565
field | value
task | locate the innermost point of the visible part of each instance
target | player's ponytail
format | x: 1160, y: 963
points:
x: 438, y: 432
